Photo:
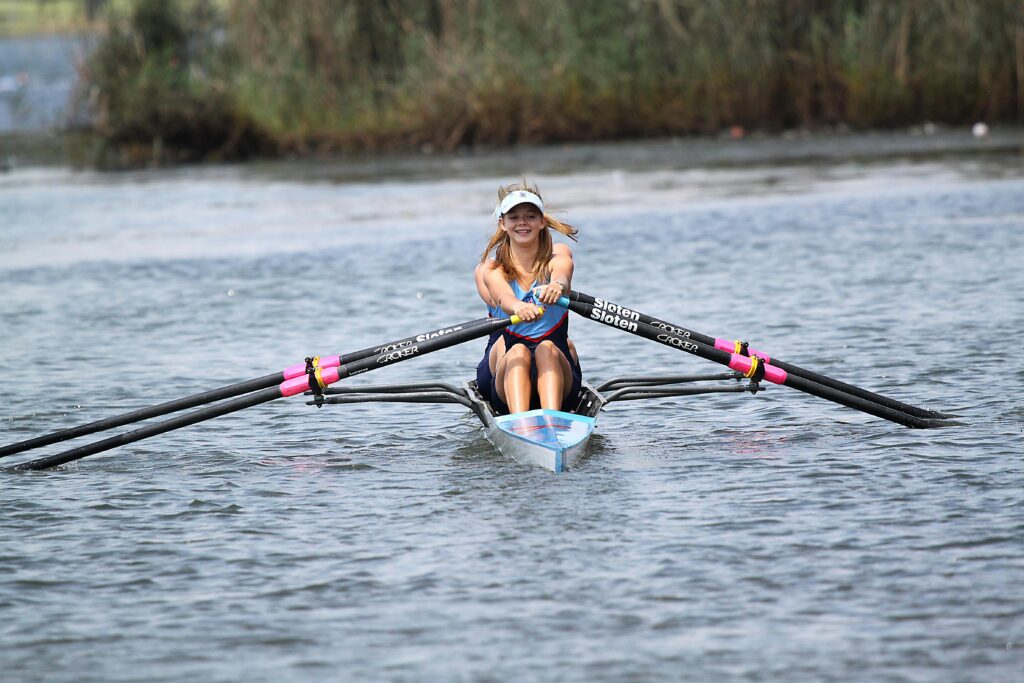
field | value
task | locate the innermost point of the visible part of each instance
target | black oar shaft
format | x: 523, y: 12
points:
x: 856, y: 402
x: 174, y: 406
x: 185, y: 420
x: 371, y: 351
x: 205, y: 397
x: 626, y: 320
x: 603, y: 304
x: 797, y: 371
x: 425, y: 343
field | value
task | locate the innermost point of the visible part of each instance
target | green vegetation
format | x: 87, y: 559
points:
x: 159, y: 89
x: 33, y: 17
x: 20, y: 18
x: 175, y: 80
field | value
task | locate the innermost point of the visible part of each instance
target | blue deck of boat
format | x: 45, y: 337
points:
x: 551, y: 429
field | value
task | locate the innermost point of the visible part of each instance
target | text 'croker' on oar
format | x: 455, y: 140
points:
x: 316, y: 381
x: 740, y: 347
x: 228, y: 391
x: 751, y: 366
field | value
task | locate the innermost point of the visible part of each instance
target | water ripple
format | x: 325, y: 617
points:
x: 767, y: 537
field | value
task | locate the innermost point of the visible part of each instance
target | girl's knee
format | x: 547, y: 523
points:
x: 547, y: 351
x: 518, y: 354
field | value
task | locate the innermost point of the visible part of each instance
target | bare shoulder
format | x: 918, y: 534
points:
x: 490, y: 271
x: 482, y: 269
x: 561, y: 249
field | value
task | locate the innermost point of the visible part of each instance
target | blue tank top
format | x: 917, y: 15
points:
x: 543, y: 326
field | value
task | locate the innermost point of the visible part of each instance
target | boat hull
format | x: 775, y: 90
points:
x: 552, y: 439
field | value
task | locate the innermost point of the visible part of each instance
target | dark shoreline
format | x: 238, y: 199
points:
x: 21, y: 150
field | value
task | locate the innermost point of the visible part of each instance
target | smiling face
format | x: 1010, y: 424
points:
x: 523, y: 223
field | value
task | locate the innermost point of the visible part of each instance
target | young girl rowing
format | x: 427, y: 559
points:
x: 533, y: 363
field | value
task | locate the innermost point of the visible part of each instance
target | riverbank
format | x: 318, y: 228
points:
x: 794, y: 147
x: 24, y: 150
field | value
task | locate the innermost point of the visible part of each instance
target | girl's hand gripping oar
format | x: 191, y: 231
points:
x: 733, y: 346
x: 751, y: 366
x: 316, y: 380
x: 221, y: 393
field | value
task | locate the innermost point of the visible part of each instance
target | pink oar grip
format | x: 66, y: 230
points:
x: 299, y: 385
x: 730, y: 346
x: 771, y: 373
x: 294, y: 371
x: 330, y: 375
x: 300, y: 369
x: 725, y: 345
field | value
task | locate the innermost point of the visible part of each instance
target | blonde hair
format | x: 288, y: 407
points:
x: 500, y: 242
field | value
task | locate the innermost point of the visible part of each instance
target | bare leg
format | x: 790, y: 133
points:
x: 512, y: 378
x: 497, y: 351
x: 572, y: 350
x: 554, y: 375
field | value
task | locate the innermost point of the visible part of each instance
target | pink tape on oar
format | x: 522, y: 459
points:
x: 300, y: 385
x: 771, y: 373
x: 730, y: 346
x: 297, y: 370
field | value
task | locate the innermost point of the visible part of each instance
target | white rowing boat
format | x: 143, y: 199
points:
x: 552, y: 439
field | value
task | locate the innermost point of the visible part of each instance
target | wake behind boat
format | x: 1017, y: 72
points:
x: 552, y: 439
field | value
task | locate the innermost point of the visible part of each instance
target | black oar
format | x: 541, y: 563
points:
x: 730, y: 346
x: 222, y: 393
x: 751, y: 366
x: 323, y: 377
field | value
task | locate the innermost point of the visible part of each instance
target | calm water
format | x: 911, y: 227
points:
x: 776, y: 537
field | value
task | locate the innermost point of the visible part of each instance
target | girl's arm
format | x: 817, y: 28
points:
x: 502, y: 295
x: 481, y: 286
x: 561, y: 268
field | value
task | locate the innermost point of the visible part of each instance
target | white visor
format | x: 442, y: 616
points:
x: 516, y: 198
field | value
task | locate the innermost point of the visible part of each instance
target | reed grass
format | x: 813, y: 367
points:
x: 323, y: 75
x: 19, y: 18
